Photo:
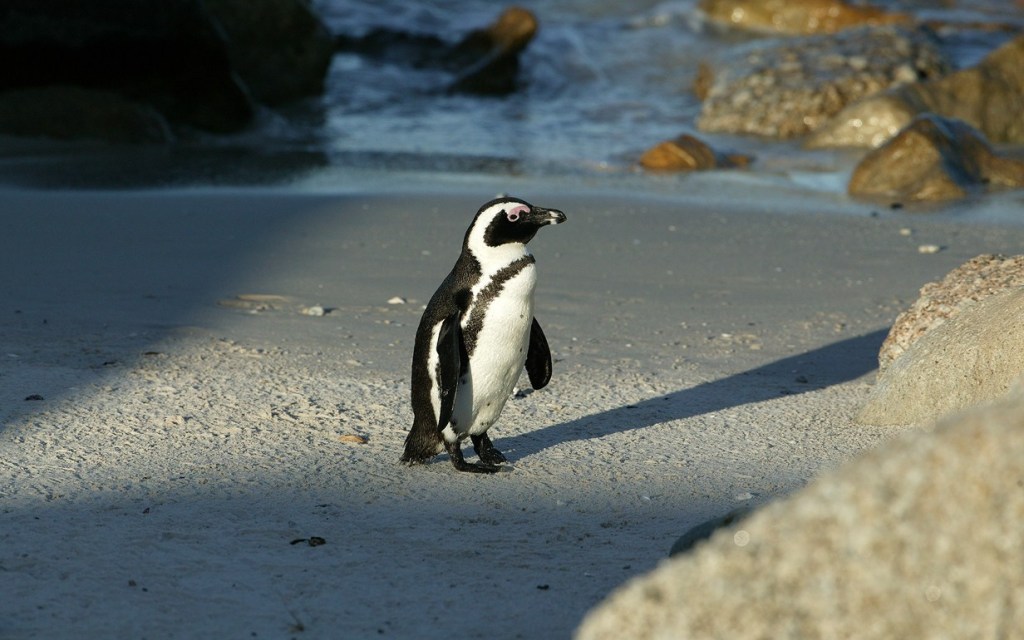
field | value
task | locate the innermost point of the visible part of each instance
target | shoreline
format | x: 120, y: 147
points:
x: 705, y: 357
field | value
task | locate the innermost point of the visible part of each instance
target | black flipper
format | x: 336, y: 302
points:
x: 449, y: 353
x: 538, y: 358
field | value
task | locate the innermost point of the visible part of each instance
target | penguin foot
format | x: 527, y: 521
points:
x: 459, y: 462
x: 485, y: 449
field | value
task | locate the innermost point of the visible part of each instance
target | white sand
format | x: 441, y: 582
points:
x: 704, y: 358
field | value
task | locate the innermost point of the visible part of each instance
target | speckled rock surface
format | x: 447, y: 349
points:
x: 971, y: 358
x: 796, y: 16
x: 786, y: 88
x: 934, y: 158
x: 988, y: 96
x: 976, y: 279
x: 920, y: 538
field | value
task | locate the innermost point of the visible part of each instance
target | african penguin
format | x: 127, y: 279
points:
x: 475, y: 336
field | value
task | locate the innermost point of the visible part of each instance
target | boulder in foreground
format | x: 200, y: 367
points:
x: 971, y: 358
x: 920, y: 538
x: 978, y: 278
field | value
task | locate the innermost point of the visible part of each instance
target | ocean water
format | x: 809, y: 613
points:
x: 601, y: 82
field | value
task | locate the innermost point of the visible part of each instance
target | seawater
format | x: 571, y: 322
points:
x: 601, y: 82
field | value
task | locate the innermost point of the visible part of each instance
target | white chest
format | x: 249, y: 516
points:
x: 502, y: 338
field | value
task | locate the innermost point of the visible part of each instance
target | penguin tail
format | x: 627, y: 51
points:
x: 423, y: 443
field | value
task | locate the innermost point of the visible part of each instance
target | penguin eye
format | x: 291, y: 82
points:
x: 513, y: 214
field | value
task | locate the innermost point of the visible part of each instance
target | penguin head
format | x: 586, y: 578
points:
x: 507, y: 221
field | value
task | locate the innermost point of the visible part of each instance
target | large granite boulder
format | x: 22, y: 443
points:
x: 989, y: 96
x: 933, y: 158
x: 919, y: 538
x: 971, y: 358
x: 786, y: 88
x: 978, y: 278
x: 166, y: 54
x: 796, y: 16
x: 197, y: 63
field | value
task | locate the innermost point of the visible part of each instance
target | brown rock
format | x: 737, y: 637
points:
x: 797, y: 16
x: 787, y: 88
x: 933, y: 158
x: 687, y: 153
x: 919, y: 538
x: 988, y: 96
x: 976, y: 279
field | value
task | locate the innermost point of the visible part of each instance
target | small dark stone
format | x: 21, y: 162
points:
x: 34, y: 396
x: 704, y: 530
x: 316, y: 541
x: 543, y: 587
x: 801, y: 379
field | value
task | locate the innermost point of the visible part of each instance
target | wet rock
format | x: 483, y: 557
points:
x: 933, y: 158
x: 687, y: 153
x: 971, y: 358
x: 490, y: 56
x: 796, y: 16
x: 199, y: 64
x: 919, y: 538
x: 66, y: 112
x: 988, y: 96
x: 279, y: 48
x: 485, y: 61
x: 169, y: 55
x: 787, y: 88
x: 976, y: 279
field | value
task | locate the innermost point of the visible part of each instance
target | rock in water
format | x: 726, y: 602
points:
x: 169, y: 55
x: 988, y: 96
x: 796, y: 16
x: 279, y: 48
x: 933, y: 158
x: 786, y: 88
x: 687, y: 153
x: 919, y: 538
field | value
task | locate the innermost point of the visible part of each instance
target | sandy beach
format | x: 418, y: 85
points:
x: 175, y: 425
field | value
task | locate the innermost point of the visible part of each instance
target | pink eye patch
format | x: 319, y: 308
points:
x: 514, y: 213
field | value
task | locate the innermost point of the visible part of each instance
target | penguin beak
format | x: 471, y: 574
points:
x: 541, y: 216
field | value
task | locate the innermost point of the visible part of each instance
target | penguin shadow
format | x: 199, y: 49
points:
x: 802, y: 373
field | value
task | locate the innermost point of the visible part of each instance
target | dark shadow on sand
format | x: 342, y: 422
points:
x: 817, y: 369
